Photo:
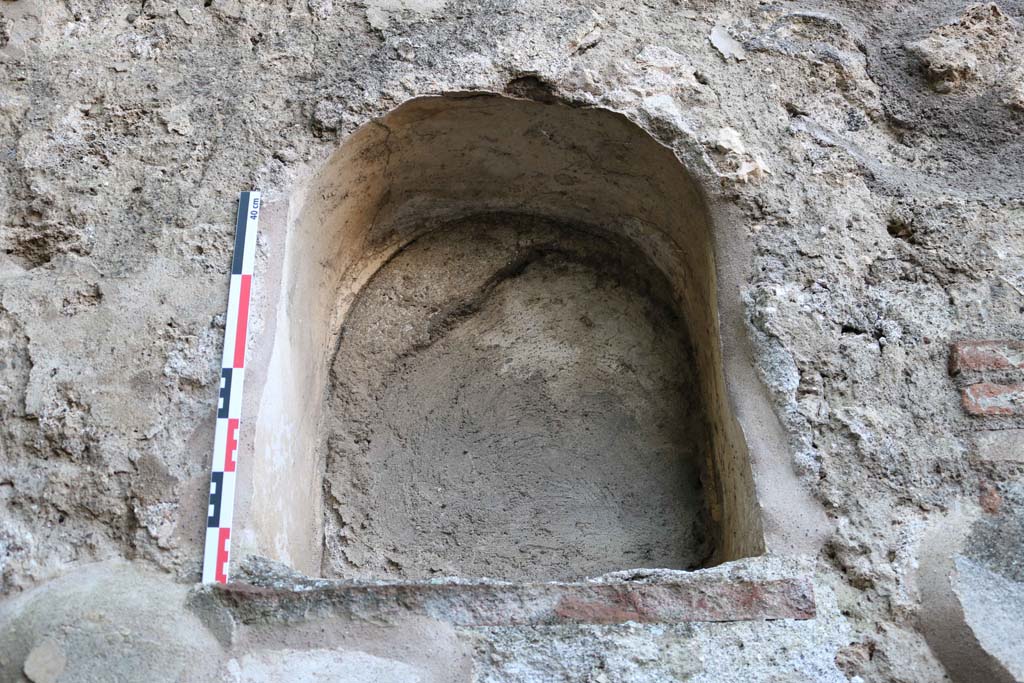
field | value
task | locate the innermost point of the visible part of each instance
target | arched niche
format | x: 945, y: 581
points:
x: 437, y: 160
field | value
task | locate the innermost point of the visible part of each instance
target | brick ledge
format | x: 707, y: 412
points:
x: 644, y: 596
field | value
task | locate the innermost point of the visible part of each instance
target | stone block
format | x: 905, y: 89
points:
x: 972, y: 588
x: 999, y: 445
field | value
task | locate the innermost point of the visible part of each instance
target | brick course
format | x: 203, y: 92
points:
x: 471, y: 603
x: 980, y: 355
x: 986, y: 399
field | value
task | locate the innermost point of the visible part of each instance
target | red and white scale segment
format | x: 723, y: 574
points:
x: 229, y: 407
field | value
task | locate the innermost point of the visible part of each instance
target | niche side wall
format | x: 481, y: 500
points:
x: 439, y: 158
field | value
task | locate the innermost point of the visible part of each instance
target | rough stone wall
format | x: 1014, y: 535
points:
x: 875, y: 148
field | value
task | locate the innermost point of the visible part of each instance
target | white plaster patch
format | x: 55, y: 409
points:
x: 319, y: 666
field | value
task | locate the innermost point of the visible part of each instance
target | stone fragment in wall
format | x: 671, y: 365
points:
x: 728, y: 140
x: 187, y: 15
x: 381, y: 13
x: 727, y: 46
x: 738, y: 164
x: 45, y: 663
x: 157, y: 9
x: 1015, y: 92
x: 26, y: 24
x: 189, y: 358
x: 80, y: 298
x: 665, y: 108
x: 981, y: 48
x: 662, y: 70
x: 998, y: 445
x: 177, y: 121
x: 947, y: 66
x: 814, y: 408
x: 155, y: 499
x: 989, y: 499
x: 5, y: 30
x: 750, y: 170
x: 659, y: 76
x: 824, y: 40
x: 320, y: 9
x: 15, y: 365
x: 587, y: 34
x: 813, y: 35
x: 65, y: 420
x: 332, y: 114
x: 160, y: 521
x: 230, y: 9
x: 855, y: 657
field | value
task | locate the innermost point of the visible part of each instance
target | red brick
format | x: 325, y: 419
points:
x: 989, y: 499
x: 978, y: 355
x: 992, y: 400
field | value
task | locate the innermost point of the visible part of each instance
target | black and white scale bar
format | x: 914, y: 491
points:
x: 216, y: 554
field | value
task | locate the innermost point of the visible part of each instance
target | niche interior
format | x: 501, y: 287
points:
x: 495, y: 353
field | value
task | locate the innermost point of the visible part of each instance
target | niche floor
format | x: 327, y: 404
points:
x: 516, y: 399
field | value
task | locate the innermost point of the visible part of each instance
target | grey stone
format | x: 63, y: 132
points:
x: 45, y: 663
x: 116, y: 622
x: 972, y: 582
x: 999, y: 445
x: 313, y: 666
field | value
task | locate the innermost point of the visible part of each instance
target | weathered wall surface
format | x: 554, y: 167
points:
x: 875, y: 151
